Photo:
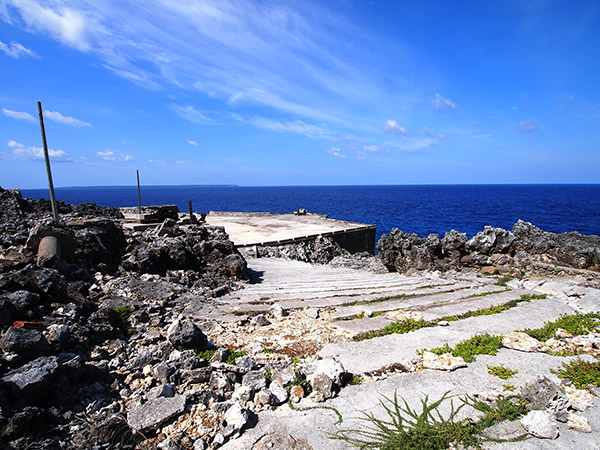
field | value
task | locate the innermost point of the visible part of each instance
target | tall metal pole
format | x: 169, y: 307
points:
x: 139, y: 195
x: 47, y: 158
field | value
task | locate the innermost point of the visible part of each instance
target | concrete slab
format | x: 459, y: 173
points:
x: 317, y: 425
x: 373, y: 354
x: 246, y: 229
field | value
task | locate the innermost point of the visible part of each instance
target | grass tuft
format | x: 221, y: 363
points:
x: 580, y: 372
x: 480, y: 344
x: 576, y: 324
x: 407, y: 428
x: 501, y: 372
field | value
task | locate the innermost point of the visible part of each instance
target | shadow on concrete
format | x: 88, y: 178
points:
x: 255, y: 276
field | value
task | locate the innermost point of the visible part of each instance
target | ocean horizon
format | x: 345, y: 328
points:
x: 420, y: 209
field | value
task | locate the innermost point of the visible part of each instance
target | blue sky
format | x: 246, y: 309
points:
x: 300, y: 92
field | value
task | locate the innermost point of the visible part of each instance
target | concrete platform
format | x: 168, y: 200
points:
x: 248, y: 229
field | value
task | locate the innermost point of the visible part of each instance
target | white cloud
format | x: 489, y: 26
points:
x: 194, y: 143
x: 16, y: 50
x: 110, y: 156
x: 289, y: 57
x: 192, y: 114
x: 19, y: 115
x: 20, y: 151
x: 107, y: 155
x: 441, y: 103
x: 66, y: 120
x: 525, y: 126
x: 392, y: 126
x: 336, y: 152
x: 66, y: 24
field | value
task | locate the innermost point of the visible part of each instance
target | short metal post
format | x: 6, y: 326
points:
x: 48, y: 170
x: 139, y: 195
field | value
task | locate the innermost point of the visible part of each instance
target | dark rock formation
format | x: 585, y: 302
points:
x: 525, y: 245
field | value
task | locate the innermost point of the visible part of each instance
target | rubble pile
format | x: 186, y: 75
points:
x: 97, y: 351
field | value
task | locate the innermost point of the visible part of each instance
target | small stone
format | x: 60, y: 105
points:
x: 277, y: 311
x: 255, y: 380
x: 221, y: 355
x: 323, y: 387
x: 442, y: 362
x: 263, y: 397
x: 243, y: 394
x: 540, y: 424
x: 443, y: 323
x: 283, y: 374
x: 578, y: 423
x: 236, y: 416
x: 261, y: 320
x: 312, y: 313
x: 280, y: 395
x: 505, y: 431
x: 27, y: 343
x: 330, y: 367
x: 154, y: 412
x: 185, y: 334
x: 297, y: 393
x: 580, y: 399
x: 521, y: 341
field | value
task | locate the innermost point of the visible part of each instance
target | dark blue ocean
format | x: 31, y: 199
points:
x: 413, y: 209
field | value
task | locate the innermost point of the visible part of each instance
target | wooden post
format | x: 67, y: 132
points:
x: 48, y: 170
x: 139, y: 195
x: 192, y: 217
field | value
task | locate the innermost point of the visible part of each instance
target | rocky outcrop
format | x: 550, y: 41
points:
x: 524, y: 246
x: 96, y: 335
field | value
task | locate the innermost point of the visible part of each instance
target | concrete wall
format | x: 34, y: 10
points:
x: 356, y: 241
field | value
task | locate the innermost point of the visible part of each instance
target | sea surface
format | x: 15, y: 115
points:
x: 413, y: 209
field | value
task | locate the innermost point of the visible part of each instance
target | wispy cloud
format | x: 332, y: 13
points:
x: 19, y: 115
x: 525, y: 126
x: 65, y: 120
x: 392, y: 126
x: 111, y: 156
x: 16, y: 50
x: 21, y: 151
x: 194, y: 143
x: 336, y: 152
x: 442, y: 103
x: 241, y: 53
x: 192, y: 114
x: 296, y: 126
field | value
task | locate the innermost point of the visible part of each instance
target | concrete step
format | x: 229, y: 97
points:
x: 374, y: 354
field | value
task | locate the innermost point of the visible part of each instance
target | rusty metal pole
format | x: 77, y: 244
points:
x: 192, y: 217
x: 47, y: 158
x: 139, y: 195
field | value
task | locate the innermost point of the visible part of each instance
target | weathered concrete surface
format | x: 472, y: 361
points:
x: 297, y: 285
x: 372, y: 354
x: 265, y: 229
x: 315, y: 425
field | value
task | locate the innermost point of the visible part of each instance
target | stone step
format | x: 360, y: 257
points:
x: 374, y: 354
x: 429, y: 311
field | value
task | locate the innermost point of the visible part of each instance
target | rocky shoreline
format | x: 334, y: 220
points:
x: 107, y: 345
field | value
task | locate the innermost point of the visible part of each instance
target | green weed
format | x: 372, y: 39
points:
x: 407, y: 428
x: 480, y: 344
x: 121, y: 313
x: 501, y: 372
x: 580, y: 372
x: 575, y: 324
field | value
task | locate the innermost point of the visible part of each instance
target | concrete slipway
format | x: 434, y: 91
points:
x: 345, y: 292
